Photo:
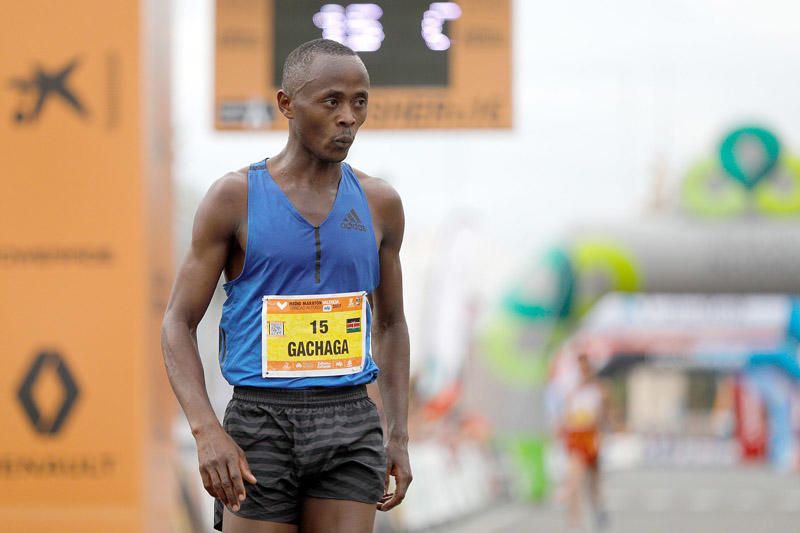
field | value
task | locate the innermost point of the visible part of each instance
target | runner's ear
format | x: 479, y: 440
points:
x: 285, y: 104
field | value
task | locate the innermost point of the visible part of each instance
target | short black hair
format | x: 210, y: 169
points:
x: 299, y: 59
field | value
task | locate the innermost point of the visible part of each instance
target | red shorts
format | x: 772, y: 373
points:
x: 585, y: 444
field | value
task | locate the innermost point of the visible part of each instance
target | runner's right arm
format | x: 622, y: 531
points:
x: 222, y: 462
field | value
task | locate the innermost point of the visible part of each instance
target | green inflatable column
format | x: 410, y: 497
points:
x: 529, y: 453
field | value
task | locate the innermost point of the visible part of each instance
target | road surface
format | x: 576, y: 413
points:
x: 736, y: 500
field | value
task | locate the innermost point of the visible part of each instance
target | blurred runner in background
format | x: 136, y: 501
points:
x: 584, y: 412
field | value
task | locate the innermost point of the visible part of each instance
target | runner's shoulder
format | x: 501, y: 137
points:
x: 379, y: 192
x: 224, y: 207
x: 229, y: 192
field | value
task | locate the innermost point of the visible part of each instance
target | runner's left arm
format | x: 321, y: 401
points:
x: 391, y: 345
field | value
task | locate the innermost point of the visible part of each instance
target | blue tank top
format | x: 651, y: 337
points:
x: 287, y: 255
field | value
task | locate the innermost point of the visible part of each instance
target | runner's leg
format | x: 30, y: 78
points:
x: 596, y: 497
x: 575, y: 476
x: 324, y: 515
x: 236, y: 524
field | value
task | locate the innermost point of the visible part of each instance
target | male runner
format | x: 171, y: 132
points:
x: 301, y: 445
x: 584, y: 412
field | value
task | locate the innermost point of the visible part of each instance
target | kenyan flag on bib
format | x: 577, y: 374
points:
x: 353, y: 325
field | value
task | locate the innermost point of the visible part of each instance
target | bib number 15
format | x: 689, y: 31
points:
x: 321, y: 325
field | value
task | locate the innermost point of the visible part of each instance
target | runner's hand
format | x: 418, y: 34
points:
x: 223, y: 466
x: 397, y: 465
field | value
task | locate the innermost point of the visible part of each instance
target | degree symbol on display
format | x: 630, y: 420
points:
x: 433, y: 22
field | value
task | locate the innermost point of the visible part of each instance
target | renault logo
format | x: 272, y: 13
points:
x: 48, y: 423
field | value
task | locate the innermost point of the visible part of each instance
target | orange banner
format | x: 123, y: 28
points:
x: 83, y: 266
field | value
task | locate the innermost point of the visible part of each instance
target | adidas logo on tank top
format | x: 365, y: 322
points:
x: 351, y: 221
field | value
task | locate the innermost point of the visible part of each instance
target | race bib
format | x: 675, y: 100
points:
x: 318, y: 335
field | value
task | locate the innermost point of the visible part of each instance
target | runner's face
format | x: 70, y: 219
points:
x: 331, y: 107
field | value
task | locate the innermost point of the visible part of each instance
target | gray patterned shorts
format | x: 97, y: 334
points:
x: 320, y: 443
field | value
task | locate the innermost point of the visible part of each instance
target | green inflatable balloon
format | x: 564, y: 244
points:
x: 515, y: 358
x: 556, y: 300
x: 701, y: 197
x: 749, y: 175
x: 777, y: 201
